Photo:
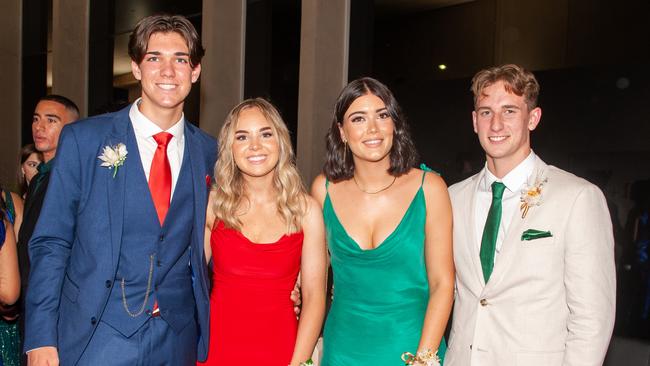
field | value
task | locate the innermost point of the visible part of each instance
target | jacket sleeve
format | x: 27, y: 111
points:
x: 51, y: 244
x: 589, y: 278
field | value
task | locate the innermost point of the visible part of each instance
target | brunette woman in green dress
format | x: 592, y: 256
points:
x: 389, y: 236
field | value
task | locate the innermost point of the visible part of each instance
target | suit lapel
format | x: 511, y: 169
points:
x: 116, y: 185
x: 512, y: 241
x: 465, y: 251
x: 473, y: 235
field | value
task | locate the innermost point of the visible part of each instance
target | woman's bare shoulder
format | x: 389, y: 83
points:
x: 318, y: 189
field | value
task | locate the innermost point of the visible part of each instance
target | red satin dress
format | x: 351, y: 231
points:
x: 252, y: 321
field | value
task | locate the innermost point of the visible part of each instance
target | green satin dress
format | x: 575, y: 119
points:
x: 381, y: 295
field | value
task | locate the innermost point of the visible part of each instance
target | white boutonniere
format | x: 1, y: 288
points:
x: 113, y: 157
x: 531, y: 195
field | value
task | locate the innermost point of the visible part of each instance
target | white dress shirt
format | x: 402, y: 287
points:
x: 145, y: 129
x: 514, y: 182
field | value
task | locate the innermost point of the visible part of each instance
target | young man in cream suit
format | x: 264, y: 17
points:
x: 533, y: 244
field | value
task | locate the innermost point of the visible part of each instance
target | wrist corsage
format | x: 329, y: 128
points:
x: 427, y: 357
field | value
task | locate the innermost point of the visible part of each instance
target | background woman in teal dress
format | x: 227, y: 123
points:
x: 389, y: 236
x: 10, y: 218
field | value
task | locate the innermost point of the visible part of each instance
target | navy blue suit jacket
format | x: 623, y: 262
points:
x: 79, y: 231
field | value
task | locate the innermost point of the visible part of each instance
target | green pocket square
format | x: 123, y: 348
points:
x: 532, y: 234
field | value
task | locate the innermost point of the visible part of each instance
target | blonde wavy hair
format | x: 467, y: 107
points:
x: 229, y: 184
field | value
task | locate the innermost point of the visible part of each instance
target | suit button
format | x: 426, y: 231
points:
x: 93, y: 320
x: 483, y: 302
x: 161, y: 238
x: 108, y: 283
x: 148, y: 312
x: 470, y: 346
x: 159, y: 263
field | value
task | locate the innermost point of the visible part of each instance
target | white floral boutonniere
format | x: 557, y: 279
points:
x: 113, y: 157
x: 531, y: 195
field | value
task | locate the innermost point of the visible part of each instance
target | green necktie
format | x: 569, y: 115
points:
x: 43, y: 170
x: 491, y: 230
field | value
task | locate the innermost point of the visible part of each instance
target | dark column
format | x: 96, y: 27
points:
x: 273, y: 56
x: 362, y: 37
x: 34, y: 64
x: 100, y: 56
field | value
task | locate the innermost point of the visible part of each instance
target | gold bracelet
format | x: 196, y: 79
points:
x: 426, y: 358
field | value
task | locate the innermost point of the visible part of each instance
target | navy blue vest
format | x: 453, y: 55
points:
x: 149, y: 248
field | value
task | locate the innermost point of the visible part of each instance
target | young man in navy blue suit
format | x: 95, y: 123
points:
x: 118, y: 271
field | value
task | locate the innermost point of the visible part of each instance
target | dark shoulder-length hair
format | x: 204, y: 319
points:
x: 339, y: 164
x: 25, y: 153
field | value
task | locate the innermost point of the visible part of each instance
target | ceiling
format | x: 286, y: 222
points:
x: 411, y: 6
x: 132, y: 10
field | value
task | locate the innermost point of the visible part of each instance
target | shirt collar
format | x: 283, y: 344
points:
x: 144, y: 127
x: 513, y: 180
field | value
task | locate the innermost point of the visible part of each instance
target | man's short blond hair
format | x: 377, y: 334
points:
x: 516, y: 80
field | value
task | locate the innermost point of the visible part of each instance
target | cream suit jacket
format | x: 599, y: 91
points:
x: 549, y: 301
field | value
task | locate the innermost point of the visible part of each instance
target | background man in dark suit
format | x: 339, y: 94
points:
x: 52, y: 112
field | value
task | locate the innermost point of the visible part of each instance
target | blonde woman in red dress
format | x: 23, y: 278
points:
x: 263, y: 229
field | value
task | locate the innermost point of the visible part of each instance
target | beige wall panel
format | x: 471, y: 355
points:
x: 10, y: 79
x: 70, y: 34
x: 323, y: 73
x: 222, y: 75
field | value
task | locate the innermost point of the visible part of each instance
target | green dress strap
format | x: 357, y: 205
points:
x: 11, y: 209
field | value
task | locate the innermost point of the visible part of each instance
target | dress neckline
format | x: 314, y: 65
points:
x: 222, y: 226
x: 338, y: 222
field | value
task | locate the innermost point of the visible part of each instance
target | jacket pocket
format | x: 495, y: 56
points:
x: 538, y: 242
x: 70, y: 289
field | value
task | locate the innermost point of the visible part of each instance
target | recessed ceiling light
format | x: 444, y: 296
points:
x: 442, y: 67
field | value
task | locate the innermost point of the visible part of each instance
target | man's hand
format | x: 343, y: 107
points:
x: 296, y: 298
x: 44, y: 356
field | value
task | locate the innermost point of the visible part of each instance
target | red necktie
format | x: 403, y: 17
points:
x: 160, y: 176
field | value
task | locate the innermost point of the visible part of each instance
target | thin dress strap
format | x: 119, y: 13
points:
x: 9, y: 202
x: 425, y: 170
x: 327, y: 192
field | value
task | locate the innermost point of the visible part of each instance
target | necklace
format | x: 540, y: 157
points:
x: 375, y: 192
